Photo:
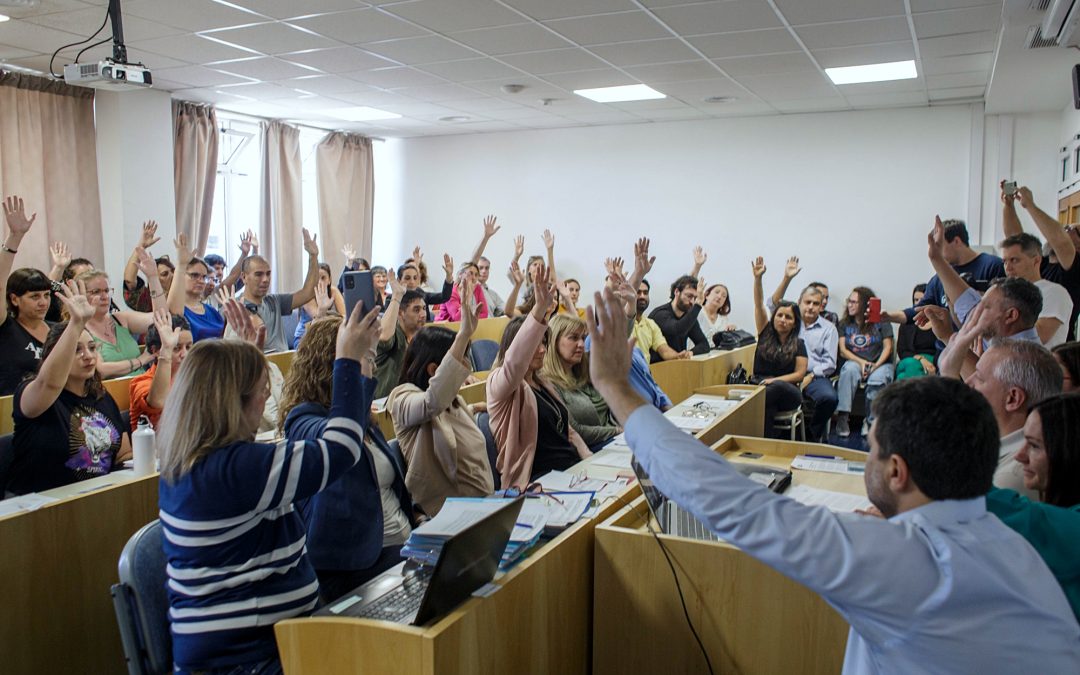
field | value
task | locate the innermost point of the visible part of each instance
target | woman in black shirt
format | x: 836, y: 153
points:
x: 916, y: 347
x: 28, y: 293
x: 780, y: 358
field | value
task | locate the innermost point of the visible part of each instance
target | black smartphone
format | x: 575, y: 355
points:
x: 359, y: 287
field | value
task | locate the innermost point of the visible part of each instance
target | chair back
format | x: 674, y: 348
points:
x: 142, y: 603
x: 483, y: 421
x: 7, y: 456
x: 483, y: 354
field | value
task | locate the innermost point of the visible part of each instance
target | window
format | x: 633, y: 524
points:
x: 236, y: 194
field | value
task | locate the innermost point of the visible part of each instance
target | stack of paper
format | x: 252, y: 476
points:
x: 841, y: 502
x: 426, y: 542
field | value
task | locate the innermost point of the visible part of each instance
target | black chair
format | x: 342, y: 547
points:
x: 483, y: 422
x: 7, y: 456
x: 483, y: 354
x: 142, y: 603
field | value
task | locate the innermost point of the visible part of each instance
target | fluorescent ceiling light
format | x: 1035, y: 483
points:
x: 630, y: 92
x: 4, y: 17
x: 361, y: 114
x: 874, y: 72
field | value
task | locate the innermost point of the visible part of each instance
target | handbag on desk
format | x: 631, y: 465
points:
x: 732, y: 339
x: 738, y: 375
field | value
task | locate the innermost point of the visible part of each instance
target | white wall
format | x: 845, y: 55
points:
x: 852, y: 194
x: 1023, y: 148
x: 135, y: 174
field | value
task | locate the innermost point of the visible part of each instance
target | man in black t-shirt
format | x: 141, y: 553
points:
x: 1059, y: 264
x: 678, y: 319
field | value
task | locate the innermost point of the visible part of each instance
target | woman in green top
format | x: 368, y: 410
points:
x: 567, y: 367
x: 119, y: 353
x: 1050, y: 458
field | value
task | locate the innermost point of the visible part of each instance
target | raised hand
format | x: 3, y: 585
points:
x: 470, y: 309
x: 397, y: 289
x: 516, y: 276
x: 359, y: 334
x: 310, y: 246
x: 149, y: 234
x: 519, y: 246
x: 254, y: 243
x: 417, y: 255
x: 60, y: 255
x: 15, y: 215
x: 170, y: 337
x: 543, y: 292
x: 323, y: 299
x: 146, y: 262
x: 549, y: 240
x: 609, y: 357
x: 448, y: 265
x: 1024, y: 196
x: 791, y: 268
x: 700, y: 256
x: 642, y: 262
x: 239, y: 319
x: 73, y: 295
x: 758, y: 266
x: 935, y: 241
x: 223, y: 294
x: 490, y: 228
x: 935, y: 317
x: 246, y: 242
x: 349, y: 252
x: 183, y: 252
x: 1006, y: 199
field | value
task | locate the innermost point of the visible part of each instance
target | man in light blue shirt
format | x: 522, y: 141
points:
x: 821, y: 338
x: 939, y: 586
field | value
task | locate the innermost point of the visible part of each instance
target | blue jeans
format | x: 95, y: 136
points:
x: 851, y: 376
x: 821, y: 392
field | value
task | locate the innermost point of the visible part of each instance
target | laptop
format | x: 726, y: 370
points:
x: 675, y: 520
x: 415, y: 595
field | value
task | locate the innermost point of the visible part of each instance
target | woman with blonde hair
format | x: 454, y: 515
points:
x: 566, y: 366
x: 234, y: 543
x: 357, y: 525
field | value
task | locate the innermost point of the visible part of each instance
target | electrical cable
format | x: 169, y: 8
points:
x: 76, y: 44
x: 675, y: 575
x: 85, y: 49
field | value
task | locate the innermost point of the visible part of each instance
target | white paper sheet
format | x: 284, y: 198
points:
x: 841, y: 502
x: 30, y: 502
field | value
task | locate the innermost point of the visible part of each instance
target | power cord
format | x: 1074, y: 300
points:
x: 675, y: 575
x: 96, y: 44
x: 76, y: 44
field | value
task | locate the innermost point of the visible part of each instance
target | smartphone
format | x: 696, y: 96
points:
x: 359, y: 287
x: 1010, y: 188
x: 873, y: 311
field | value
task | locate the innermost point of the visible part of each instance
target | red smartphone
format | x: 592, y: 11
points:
x: 873, y: 311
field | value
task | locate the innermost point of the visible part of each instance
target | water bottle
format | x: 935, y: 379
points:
x: 142, y: 446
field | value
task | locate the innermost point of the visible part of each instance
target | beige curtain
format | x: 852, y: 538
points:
x: 48, y: 156
x: 195, y: 160
x: 346, y: 193
x: 281, y: 213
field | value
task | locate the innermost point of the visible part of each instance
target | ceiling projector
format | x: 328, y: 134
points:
x: 109, y: 75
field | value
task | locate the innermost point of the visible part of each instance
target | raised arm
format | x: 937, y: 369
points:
x: 957, y: 360
x: 162, y: 381
x: 791, y: 270
x: 307, y: 291
x: 61, y: 258
x: 490, y: 228
x: 761, y: 317
x: 138, y: 322
x: 1010, y: 222
x: 147, y: 239
x: 178, y: 290
x: 517, y: 278
x: 53, y: 373
x: 390, y: 316
x: 952, y: 283
x: 18, y: 225
x: 247, y: 241
x: 699, y: 261
x: 1060, y: 241
x: 549, y: 244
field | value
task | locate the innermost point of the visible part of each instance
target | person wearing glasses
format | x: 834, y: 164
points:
x: 867, y: 348
x: 186, y: 299
x: 113, y: 331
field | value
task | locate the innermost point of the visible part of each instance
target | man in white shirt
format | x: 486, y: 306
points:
x: 939, y: 586
x: 1022, y: 254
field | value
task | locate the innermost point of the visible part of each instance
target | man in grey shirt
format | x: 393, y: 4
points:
x: 496, y: 304
x: 271, y: 307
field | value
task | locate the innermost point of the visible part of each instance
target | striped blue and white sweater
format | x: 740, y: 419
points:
x: 235, y: 546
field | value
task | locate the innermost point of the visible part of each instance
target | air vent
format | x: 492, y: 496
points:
x: 1035, y: 39
x: 1040, y: 5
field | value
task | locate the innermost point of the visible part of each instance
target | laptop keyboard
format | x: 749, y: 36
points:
x: 399, y: 605
x: 690, y: 527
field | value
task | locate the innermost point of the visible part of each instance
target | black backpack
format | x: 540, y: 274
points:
x: 732, y: 339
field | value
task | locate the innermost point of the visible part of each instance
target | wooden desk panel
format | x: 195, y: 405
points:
x: 55, y: 572
x: 486, y: 329
x: 682, y: 377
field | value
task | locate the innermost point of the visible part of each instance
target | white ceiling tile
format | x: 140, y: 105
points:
x: 260, y: 91
x: 611, y: 116
x: 543, y: 10
x: 719, y: 17
x: 956, y: 45
x: 767, y: 64
x: 426, y: 111
x: 554, y: 61
x: 673, y: 114
x: 888, y: 100
x: 518, y: 112
x: 7, y: 52
x: 200, y: 95
x: 446, y: 17
x: 534, y: 88
x: 84, y: 22
x: 956, y: 93
x: 192, y: 15
x: 748, y: 43
x: 438, y: 92
x: 806, y: 105
x: 287, y: 9
x: 365, y: 25
x: 645, y: 52
x: 608, y: 28
x: 488, y: 105
x: 739, y: 109
x: 799, y: 12
x: 850, y: 33
x: 375, y: 99
x: 548, y: 122
x: 958, y: 64
x: 914, y: 84
x: 674, y: 72
x: 488, y: 127
x: 789, y: 87
x: 639, y: 107
x: 589, y: 79
x: 511, y: 39
x: 953, y: 80
x: 263, y: 68
x: 36, y: 38
x: 886, y: 52
x: 338, y: 60
x: 954, y: 21
x: 39, y: 62
x: 259, y: 108
x: 696, y: 90
x: 388, y: 78
x: 930, y: 5
x: 48, y: 7
x: 153, y: 61
x: 272, y: 38
x: 191, y: 49
x: 469, y: 70
x: 427, y: 49
x: 197, y: 76
x: 325, y: 84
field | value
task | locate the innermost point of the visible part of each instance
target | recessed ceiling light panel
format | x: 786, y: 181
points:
x: 361, y: 114
x: 874, y: 72
x: 629, y: 92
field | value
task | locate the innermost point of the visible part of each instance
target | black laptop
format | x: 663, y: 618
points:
x: 417, y: 594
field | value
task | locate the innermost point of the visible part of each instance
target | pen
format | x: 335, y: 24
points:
x: 823, y: 456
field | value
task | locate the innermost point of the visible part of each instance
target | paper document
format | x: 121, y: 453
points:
x: 561, y: 481
x: 841, y: 502
x: 829, y: 465
x: 30, y: 502
x: 618, y: 459
x: 456, y: 515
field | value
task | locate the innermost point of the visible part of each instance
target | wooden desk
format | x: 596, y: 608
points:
x: 490, y: 328
x: 679, y: 378
x: 540, y: 621
x: 55, y: 571
x: 283, y: 360
x: 745, y: 419
x: 750, y: 618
